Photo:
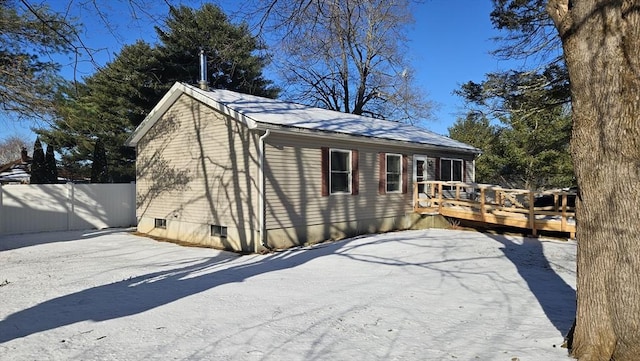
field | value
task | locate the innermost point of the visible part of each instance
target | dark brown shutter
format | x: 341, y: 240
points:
x: 405, y: 175
x: 324, y: 164
x: 355, y: 173
x: 438, y: 168
x: 382, y: 173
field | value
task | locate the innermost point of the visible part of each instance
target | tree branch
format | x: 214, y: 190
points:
x: 559, y: 11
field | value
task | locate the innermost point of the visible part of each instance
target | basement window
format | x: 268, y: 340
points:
x: 218, y: 231
x: 160, y: 223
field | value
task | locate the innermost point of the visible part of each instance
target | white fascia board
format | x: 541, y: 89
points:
x: 167, y: 101
x: 204, y: 97
x: 329, y: 136
x: 163, y: 105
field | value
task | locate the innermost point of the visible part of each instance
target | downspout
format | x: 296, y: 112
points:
x: 261, y: 195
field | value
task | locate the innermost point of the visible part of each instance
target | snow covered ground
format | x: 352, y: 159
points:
x: 414, y: 295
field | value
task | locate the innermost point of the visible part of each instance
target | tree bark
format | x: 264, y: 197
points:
x: 601, y: 42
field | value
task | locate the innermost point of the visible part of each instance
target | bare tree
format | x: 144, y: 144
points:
x: 11, y: 148
x: 601, y: 42
x: 347, y: 55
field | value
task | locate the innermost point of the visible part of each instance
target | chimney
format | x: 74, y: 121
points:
x: 204, y: 84
x: 23, y: 155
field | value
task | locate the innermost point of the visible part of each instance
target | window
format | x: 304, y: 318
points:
x: 218, y: 231
x: 340, y: 175
x: 394, y: 172
x: 160, y: 223
x: 451, y: 170
x: 339, y: 171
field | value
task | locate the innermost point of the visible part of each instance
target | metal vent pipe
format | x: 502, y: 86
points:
x: 204, y: 84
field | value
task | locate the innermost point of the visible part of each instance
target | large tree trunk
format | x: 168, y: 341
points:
x: 601, y: 40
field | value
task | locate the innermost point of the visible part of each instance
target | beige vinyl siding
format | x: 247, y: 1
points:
x: 293, y: 185
x: 196, y: 165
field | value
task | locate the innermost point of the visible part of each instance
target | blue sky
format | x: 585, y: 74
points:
x: 449, y: 45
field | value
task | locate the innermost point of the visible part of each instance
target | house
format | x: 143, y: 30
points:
x: 242, y: 172
x: 17, y: 171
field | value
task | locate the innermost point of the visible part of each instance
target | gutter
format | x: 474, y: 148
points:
x: 323, y: 134
x: 261, y: 196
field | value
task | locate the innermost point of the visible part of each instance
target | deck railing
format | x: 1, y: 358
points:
x: 535, y: 210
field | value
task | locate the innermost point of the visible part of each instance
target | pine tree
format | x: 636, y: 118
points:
x: 50, y: 165
x: 38, y: 166
x: 113, y: 102
x: 230, y: 50
x: 532, y: 139
x: 31, y: 33
x: 99, y: 170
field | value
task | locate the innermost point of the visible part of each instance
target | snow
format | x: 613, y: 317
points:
x: 278, y: 112
x: 266, y: 113
x: 411, y: 295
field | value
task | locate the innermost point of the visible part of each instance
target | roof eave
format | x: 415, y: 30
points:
x: 362, y: 138
x: 170, y: 98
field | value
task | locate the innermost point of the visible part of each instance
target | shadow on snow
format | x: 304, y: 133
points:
x: 149, y: 291
x: 555, y: 296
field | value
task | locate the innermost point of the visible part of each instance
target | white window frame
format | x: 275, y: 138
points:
x: 160, y: 223
x: 452, y: 160
x: 218, y: 231
x: 386, y: 181
x: 349, y: 171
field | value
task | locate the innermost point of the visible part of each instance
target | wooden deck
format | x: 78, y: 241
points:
x: 521, y: 208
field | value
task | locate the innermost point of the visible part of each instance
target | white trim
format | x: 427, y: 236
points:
x: 416, y: 158
x: 261, y: 196
x: 319, y: 134
x: 462, y: 170
x: 349, y: 173
x: 170, y: 98
x: 296, y: 118
x: 386, y: 168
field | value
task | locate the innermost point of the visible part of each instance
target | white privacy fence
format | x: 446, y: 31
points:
x: 61, y: 207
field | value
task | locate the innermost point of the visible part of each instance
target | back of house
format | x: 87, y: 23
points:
x: 244, y: 173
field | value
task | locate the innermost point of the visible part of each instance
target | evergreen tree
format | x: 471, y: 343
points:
x: 531, y: 147
x: 230, y: 48
x: 108, y: 106
x: 476, y: 130
x: 50, y: 165
x: 30, y: 34
x: 113, y: 101
x: 38, y: 166
x: 99, y: 169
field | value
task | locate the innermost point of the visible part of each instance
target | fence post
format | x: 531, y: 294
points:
x: 134, y: 204
x: 70, y: 205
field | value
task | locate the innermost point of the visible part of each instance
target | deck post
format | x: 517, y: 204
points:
x: 563, y: 218
x: 439, y: 197
x: 484, y: 208
x: 532, y: 214
x: 415, y: 197
x: 482, y: 203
